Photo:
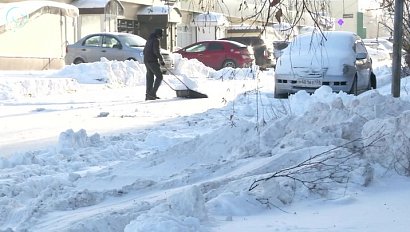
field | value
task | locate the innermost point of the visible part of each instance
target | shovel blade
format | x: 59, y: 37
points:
x: 189, y: 93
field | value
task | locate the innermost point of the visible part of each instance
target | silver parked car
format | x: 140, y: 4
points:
x: 113, y: 46
x: 333, y: 58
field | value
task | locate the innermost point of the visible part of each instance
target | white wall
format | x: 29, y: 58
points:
x: 34, y: 39
x: 95, y: 23
x: 205, y: 33
x: 209, y: 33
x: 373, y: 20
x: 184, y: 36
x: 88, y: 24
x: 340, y: 7
x: 41, y: 46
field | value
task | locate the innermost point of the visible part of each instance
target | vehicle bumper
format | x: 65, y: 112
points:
x: 286, y: 84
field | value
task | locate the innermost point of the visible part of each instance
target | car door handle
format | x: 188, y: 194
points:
x: 103, y: 51
x: 83, y: 49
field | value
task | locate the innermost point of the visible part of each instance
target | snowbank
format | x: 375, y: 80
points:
x: 248, y: 155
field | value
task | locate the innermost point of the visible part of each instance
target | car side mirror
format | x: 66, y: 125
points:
x: 361, y: 56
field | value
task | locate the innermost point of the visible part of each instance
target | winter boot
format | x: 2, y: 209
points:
x: 148, y: 97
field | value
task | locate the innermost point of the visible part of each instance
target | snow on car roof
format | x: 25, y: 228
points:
x: 318, y: 50
x: 337, y: 40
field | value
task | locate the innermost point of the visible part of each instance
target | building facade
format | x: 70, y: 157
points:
x: 34, y: 36
x: 184, y: 21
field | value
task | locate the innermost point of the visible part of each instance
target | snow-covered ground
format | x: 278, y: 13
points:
x: 82, y: 151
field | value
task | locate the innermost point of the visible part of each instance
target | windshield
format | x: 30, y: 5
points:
x: 133, y: 40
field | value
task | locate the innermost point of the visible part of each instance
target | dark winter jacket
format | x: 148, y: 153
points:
x: 152, y: 49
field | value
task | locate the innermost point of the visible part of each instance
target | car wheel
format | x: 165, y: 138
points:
x: 369, y: 86
x: 229, y: 63
x: 353, y: 89
x: 373, y: 81
x: 78, y: 61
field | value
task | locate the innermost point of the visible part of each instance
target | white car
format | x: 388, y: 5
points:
x: 112, y: 46
x: 334, y: 58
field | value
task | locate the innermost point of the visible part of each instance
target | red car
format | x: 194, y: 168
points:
x: 219, y: 54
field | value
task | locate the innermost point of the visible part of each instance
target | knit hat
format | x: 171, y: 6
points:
x: 158, y: 32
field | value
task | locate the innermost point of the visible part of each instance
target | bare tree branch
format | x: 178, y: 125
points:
x: 331, y: 166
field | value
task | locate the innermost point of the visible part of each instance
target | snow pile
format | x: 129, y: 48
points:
x: 358, y: 130
x: 19, y: 87
x: 69, y: 141
x: 234, y: 203
x: 183, y: 211
x: 393, y: 136
x: 192, y: 68
x: 185, y: 173
x: 114, y: 73
x: 130, y: 73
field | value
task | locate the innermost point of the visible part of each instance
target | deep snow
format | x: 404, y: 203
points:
x: 82, y: 151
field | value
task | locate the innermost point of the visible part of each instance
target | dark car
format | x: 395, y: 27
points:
x: 262, y: 51
x: 113, y: 46
x: 219, y: 54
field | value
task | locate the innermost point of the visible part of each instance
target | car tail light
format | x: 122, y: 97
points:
x: 245, y: 54
x: 240, y: 51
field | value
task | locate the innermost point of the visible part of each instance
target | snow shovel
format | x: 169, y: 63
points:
x: 186, y: 93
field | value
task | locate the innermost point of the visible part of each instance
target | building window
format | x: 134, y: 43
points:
x: 128, y: 26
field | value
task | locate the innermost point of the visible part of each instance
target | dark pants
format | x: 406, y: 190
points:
x: 153, y: 69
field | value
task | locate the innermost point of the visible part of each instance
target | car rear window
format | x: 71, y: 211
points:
x: 93, y: 41
x: 237, y: 44
x: 196, y: 48
x: 133, y: 40
x: 215, y: 47
x: 252, y: 41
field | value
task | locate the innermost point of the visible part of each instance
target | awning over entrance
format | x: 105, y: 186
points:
x: 210, y: 19
x: 172, y: 14
x: 113, y: 7
x: 17, y: 14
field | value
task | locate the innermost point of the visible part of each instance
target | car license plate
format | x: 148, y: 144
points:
x: 310, y: 82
